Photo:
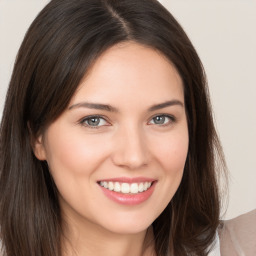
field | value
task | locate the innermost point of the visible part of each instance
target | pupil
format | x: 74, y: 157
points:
x: 159, y: 119
x: 94, y: 121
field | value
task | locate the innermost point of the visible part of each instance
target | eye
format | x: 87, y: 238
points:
x: 94, y: 121
x: 162, y: 120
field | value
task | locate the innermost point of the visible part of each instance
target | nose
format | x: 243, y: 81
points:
x: 131, y: 149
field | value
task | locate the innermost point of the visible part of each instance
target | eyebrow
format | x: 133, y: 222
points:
x: 110, y: 108
x: 94, y: 106
x: 166, y: 104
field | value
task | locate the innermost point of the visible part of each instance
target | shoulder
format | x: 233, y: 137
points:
x: 238, y: 235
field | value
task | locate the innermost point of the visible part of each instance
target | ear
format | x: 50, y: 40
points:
x: 37, y: 144
x: 39, y: 148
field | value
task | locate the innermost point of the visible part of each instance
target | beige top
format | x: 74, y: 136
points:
x: 238, y: 236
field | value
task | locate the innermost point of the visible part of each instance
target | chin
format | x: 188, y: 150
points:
x: 124, y: 229
x: 129, y: 224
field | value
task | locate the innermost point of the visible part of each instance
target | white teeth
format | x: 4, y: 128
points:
x: 141, y: 187
x: 134, y: 188
x: 125, y: 188
x: 111, y: 186
x: 117, y: 187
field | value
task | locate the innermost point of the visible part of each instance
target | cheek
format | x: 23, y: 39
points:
x: 172, y: 153
x: 74, y: 153
x: 170, y: 156
x: 73, y: 159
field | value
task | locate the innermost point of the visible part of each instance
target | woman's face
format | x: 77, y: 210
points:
x: 117, y: 153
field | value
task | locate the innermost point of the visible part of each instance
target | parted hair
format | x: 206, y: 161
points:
x: 60, y: 46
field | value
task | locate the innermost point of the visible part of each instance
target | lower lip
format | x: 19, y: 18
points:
x: 129, y: 199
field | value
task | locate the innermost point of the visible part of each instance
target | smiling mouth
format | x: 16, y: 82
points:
x: 126, y: 188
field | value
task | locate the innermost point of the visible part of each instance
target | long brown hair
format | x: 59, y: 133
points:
x: 60, y: 46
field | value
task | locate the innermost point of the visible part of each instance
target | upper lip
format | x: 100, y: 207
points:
x: 129, y: 179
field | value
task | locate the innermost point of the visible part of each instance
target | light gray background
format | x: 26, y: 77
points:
x: 223, y: 32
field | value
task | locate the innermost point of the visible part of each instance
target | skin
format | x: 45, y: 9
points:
x: 128, y: 142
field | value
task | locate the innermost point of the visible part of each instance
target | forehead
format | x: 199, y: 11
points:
x: 133, y: 72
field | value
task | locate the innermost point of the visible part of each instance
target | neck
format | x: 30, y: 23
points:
x: 90, y: 240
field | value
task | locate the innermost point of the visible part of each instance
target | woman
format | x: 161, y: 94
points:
x: 107, y: 141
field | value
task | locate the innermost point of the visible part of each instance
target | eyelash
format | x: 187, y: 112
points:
x: 83, y: 121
